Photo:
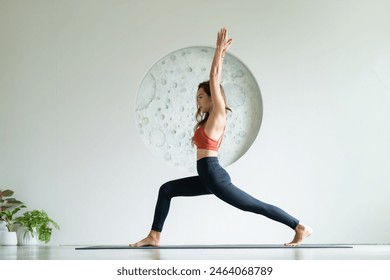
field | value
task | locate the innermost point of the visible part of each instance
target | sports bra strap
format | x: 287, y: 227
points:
x: 220, y: 138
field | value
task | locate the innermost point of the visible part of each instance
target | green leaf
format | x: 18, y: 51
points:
x: 13, y: 200
x: 6, y: 193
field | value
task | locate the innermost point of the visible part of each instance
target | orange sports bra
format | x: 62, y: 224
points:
x: 202, y: 141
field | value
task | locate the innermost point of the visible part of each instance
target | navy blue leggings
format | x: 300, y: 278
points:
x: 213, y: 179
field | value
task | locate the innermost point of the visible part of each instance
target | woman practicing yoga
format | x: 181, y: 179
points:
x: 212, y: 178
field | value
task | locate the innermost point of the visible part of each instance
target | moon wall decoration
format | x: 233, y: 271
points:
x: 166, y: 106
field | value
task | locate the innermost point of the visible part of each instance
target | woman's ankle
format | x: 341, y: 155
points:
x: 155, y: 235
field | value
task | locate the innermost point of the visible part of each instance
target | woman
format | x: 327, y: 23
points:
x: 212, y: 178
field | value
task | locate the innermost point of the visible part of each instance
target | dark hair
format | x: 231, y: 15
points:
x: 201, y: 119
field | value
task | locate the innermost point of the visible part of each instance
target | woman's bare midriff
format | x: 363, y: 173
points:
x: 201, y: 153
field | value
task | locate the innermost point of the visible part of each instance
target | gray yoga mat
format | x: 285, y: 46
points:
x: 232, y: 246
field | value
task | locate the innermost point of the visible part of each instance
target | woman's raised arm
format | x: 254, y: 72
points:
x: 223, y: 44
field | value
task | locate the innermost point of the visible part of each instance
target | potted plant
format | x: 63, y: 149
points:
x: 37, y: 224
x: 9, y: 206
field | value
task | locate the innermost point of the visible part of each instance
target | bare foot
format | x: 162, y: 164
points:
x: 301, y: 232
x: 153, y: 239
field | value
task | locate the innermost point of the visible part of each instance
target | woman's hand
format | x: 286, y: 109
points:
x: 223, y: 41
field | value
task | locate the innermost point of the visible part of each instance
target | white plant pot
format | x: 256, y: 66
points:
x: 25, y: 238
x: 8, y: 238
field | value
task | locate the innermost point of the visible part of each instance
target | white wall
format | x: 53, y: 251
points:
x: 69, y: 74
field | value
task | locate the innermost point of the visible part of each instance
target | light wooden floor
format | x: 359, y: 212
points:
x: 358, y: 252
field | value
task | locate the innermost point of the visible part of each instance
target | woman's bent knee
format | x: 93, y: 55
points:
x: 166, y: 190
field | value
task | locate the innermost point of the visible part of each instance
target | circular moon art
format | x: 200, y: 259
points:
x: 166, y: 106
